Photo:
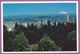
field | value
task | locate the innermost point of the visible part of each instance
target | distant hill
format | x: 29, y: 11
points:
x: 57, y: 17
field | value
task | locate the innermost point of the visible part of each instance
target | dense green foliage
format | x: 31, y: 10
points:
x: 72, y: 36
x: 19, y: 43
x: 47, y: 37
x: 46, y: 44
x: 70, y: 42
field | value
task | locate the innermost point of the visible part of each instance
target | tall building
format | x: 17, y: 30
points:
x: 67, y: 18
x: 44, y: 22
x: 73, y: 20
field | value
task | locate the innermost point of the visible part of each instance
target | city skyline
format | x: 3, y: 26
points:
x: 38, y: 8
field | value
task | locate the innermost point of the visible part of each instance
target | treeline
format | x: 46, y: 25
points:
x: 61, y: 37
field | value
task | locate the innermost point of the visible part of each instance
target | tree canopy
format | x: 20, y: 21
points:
x: 19, y: 43
x: 46, y: 44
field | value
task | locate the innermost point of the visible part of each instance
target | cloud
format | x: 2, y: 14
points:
x: 62, y: 12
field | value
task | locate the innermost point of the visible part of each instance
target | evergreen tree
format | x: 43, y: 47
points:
x: 70, y: 44
x: 31, y: 32
x: 19, y: 43
x: 5, y: 38
x: 46, y: 44
x: 17, y: 29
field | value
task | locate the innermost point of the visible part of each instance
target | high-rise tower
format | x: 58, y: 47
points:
x: 67, y: 18
x: 73, y: 20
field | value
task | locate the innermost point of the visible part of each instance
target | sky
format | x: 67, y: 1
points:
x: 38, y: 8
